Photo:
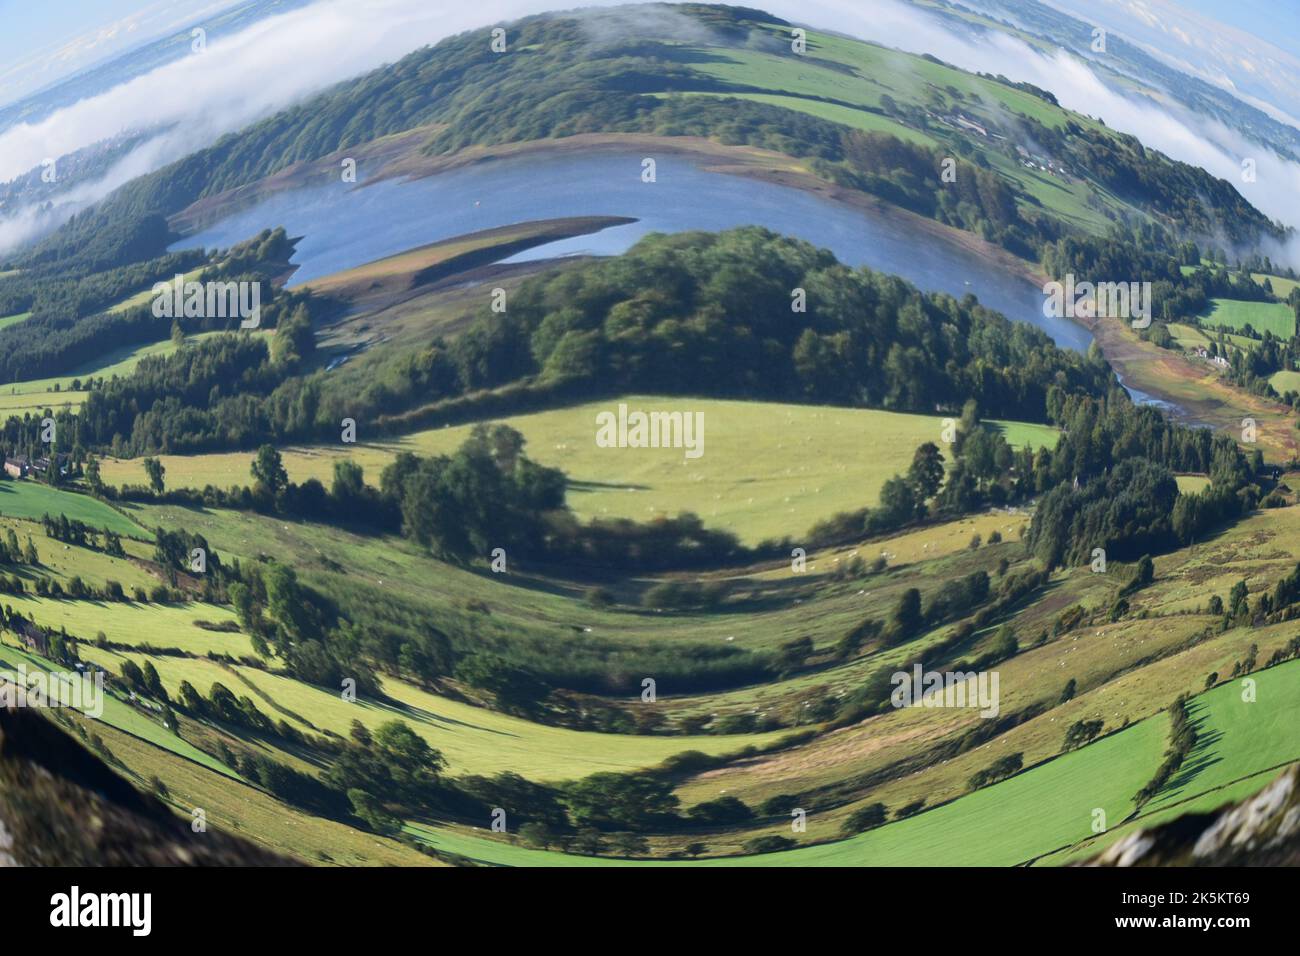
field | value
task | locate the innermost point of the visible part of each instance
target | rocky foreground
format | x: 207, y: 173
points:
x: 61, y: 806
x: 1263, y: 830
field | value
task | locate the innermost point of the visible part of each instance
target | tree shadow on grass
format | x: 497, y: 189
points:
x: 574, y: 484
x: 1203, y: 755
x: 268, y: 745
x: 423, y: 714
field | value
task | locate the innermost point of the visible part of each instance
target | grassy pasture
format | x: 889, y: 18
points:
x: 768, y: 469
x: 145, y: 296
x: 1192, y: 483
x: 368, y: 571
x: 26, y: 498
x: 844, y: 81
x: 1285, y: 381
x: 1069, y: 200
x: 120, y: 361
x: 1205, y: 802
x: 9, y: 320
x: 1281, y: 287
x: 37, y: 403
x: 874, y: 63
x: 1012, y: 822
x: 1234, y: 314
x: 972, y: 829
x: 1125, y: 672
x: 1034, y: 676
x: 1238, y: 738
x: 1188, y: 336
x: 792, y: 76
x: 862, y: 119
x: 61, y: 562
x: 1241, y: 746
x: 1260, y: 549
x: 138, y: 625
x: 1191, y: 337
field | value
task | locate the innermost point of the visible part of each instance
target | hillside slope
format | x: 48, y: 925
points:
x: 61, y: 806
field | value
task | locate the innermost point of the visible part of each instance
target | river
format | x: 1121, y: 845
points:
x: 346, y: 226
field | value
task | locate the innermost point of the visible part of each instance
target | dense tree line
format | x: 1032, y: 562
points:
x: 712, y: 313
x: 1182, y: 740
x: 76, y: 532
x: 1110, y: 484
x: 93, y: 241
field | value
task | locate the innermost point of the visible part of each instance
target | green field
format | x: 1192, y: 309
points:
x: 1191, y: 483
x: 1281, y: 287
x: 27, y: 498
x: 1238, y: 738
x: 138, y: 624
x: 1285, y: 381
x: 9, y: 320
x: 1240, y: 748
x: 61, y: 562
x: 876, y: 64
x: 38, y: 403
x: 121, y: 361
x: 834, y: 112
x: 145, y: 296
x: 235, y: 807
x: 1013, y: 822
x: 767, y: 470
x: 1235, y: 314
x: 1188, y: 336
x: 392, y: 572
x: 389, y: 573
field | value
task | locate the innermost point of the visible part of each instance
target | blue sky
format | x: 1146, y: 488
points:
x: 43, y: 41
x: 1277, y: 21
x: 34, y: 25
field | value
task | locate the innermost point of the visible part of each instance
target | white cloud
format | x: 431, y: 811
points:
x: 31, y: 222
x: 251, y: 74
